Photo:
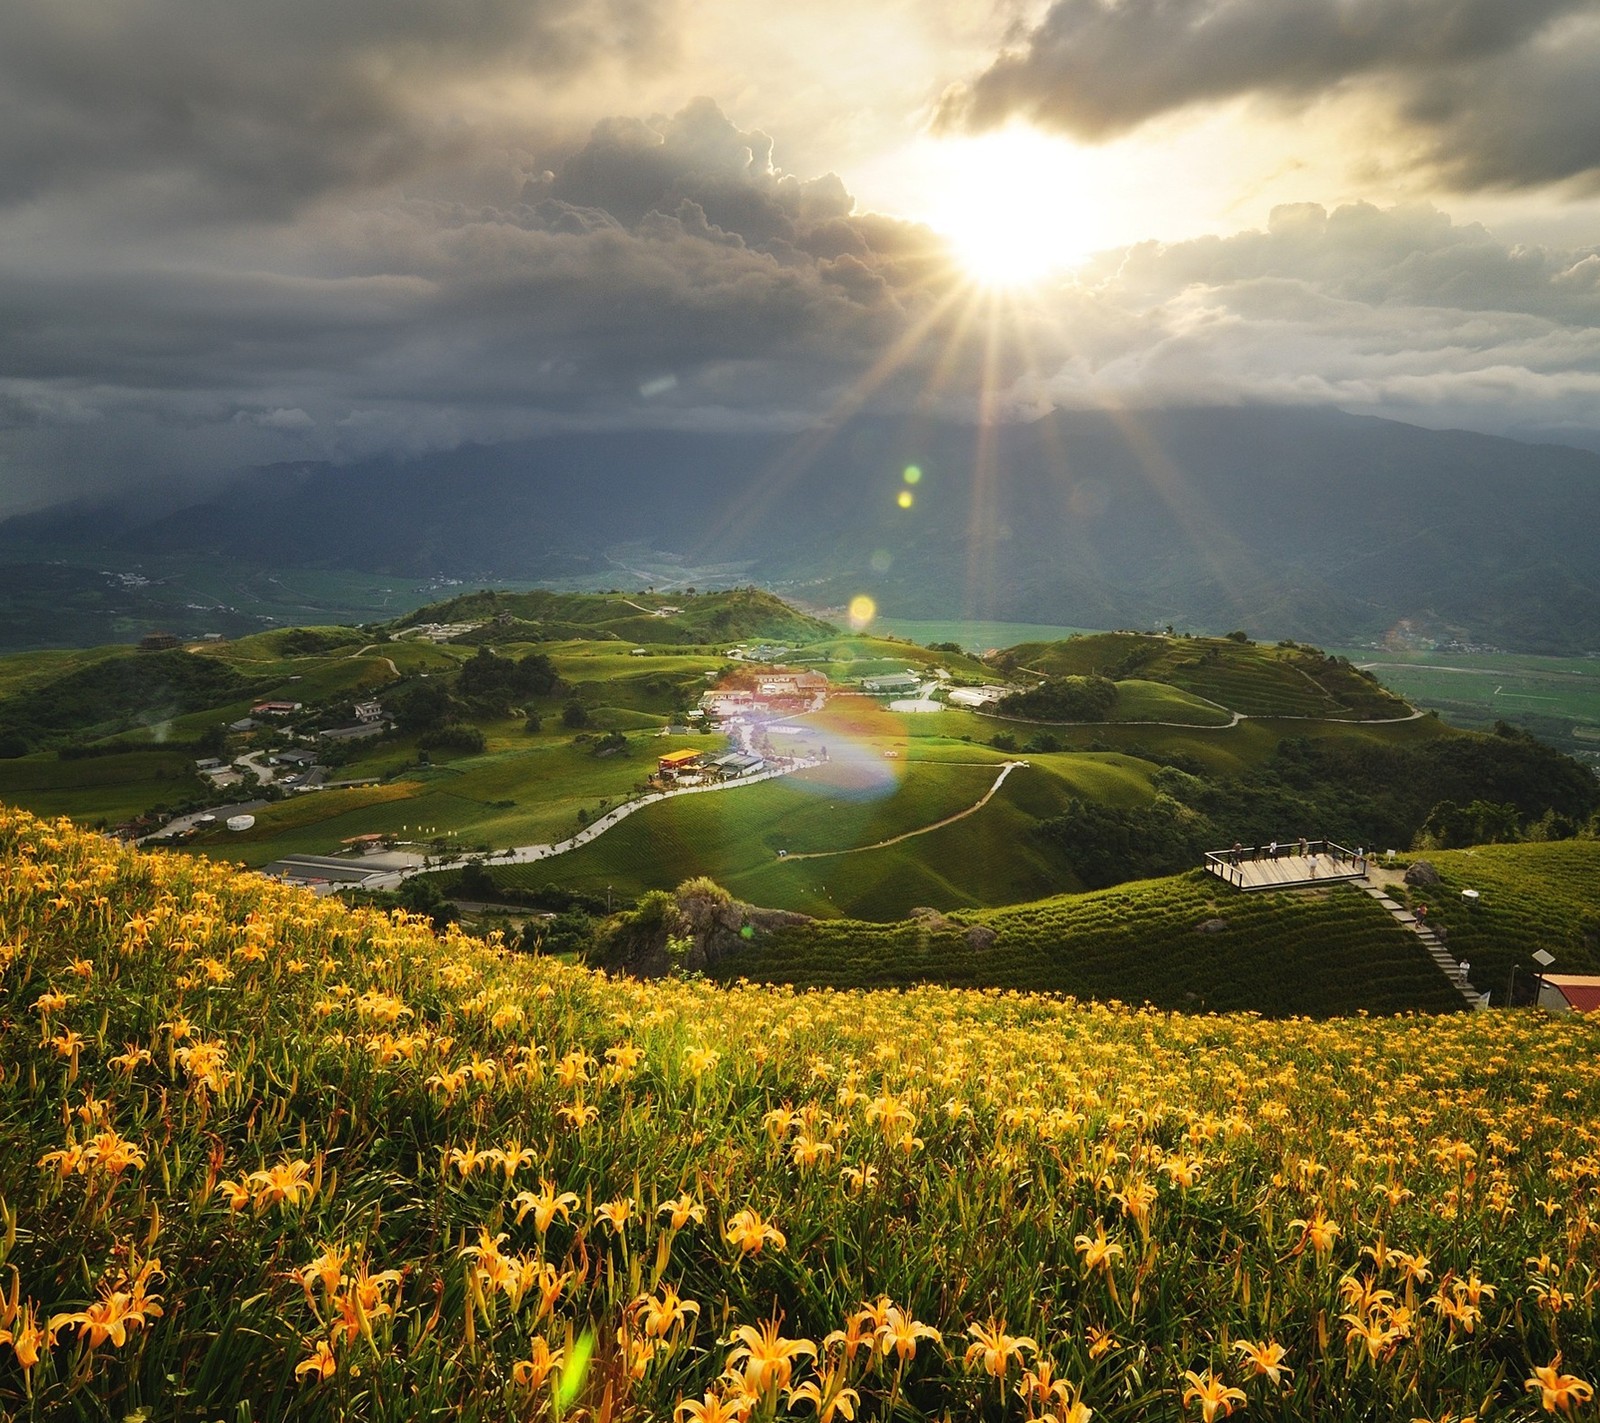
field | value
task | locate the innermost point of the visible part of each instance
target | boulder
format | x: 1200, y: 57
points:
x: 980, y: 936
x: 1212, y: 926
x: 1422, y: 873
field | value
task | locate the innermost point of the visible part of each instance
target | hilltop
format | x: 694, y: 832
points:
x: 1277, y: 680
x: 276, y: 1158
x: 686, y: 618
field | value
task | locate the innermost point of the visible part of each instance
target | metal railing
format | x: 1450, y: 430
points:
x: 1343, y: 862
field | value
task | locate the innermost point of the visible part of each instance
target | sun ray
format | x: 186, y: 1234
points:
x: 770, y: 483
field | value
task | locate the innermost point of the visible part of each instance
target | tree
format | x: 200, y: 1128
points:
x: 420, y: 707
x: 575, y: 714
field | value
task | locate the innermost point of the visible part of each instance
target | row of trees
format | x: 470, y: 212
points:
x: 1450, y: 792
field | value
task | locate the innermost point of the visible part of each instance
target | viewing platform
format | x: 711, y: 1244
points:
x: 1260, y: 867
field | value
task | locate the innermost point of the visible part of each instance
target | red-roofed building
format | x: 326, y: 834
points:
x: 1571, y: 993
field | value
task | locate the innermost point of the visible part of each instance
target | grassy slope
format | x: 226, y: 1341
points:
x: 1000, y: 1130
x: 1317, y: 952
x: 734, y: 836
x: 705, y: 618
x: 1139, y: 700
x: 1272, y: 680
x: 1538, y: 896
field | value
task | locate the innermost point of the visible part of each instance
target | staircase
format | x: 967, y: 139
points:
x: 1430, y: 941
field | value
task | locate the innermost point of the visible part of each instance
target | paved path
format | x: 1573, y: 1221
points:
x: 973, y: 809
x: 1414, y: 715
x: 529, y: 854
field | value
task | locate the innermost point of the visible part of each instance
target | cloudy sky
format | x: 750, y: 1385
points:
x: 234, y: 234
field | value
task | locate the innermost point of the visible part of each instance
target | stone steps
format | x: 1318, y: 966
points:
x: 1430, y: 941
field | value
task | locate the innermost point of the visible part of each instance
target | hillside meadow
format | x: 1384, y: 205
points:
x: 270, y: 1158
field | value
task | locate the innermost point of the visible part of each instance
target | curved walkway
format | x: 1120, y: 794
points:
x: 530, y: 854
x: 972, y: 809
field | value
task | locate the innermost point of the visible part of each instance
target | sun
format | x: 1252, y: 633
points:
x: 1009, y: 206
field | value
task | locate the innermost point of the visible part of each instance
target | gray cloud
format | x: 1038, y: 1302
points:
x: 258, y: 106
x: 668, y: 272
x: 670, y: 257
x: 1487, y: 93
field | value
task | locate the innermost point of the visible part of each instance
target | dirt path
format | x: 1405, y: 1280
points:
x: 973, y: 809
x: 362, y: 652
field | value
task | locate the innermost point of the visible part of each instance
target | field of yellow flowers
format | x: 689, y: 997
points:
x: 267, y: 1158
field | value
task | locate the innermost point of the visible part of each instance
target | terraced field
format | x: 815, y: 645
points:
x: 1321, y: 953
x: 1538, y: 896
x: 1273, y: 680
x: 108, y: 788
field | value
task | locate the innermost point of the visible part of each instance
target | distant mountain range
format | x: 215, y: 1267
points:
x: 1285, y: 522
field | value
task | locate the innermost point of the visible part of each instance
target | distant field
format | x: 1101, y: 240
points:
x: 1557, y: 698
x: 974, y: 636
x: 62, y: 604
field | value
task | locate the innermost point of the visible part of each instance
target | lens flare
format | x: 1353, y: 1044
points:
x: 913, y: 474
x: 906, y: 499
x: 862, y: 611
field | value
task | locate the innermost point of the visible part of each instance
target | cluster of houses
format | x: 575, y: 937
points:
x: 296, y: 767
x: 436, y: 632
x: 689, y: 767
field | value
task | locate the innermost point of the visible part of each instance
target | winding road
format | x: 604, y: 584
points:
x: 972, y: 809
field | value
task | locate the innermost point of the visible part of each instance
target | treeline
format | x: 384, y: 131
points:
x: 1063, y: 699
x: 115, y: 695
x: 439, y: 710
x: 1465, y: 790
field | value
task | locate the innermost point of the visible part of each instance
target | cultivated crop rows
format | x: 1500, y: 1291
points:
x: 1277, y: 953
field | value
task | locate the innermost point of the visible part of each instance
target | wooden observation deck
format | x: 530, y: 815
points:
x: 1257, y: 867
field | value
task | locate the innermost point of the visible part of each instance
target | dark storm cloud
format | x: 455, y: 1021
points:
x: 254, y: 106
x: 668, y: 272
x: 664, y: 272
x: 1490, y: 92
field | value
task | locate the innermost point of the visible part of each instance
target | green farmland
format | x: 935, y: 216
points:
x: 1556, y: 698
x: 735, y: 837
x: 476, y: 775
x: 1318, y: 952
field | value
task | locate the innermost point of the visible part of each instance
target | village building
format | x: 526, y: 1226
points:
x: 1570, y: 992
x: 158, y: 642
x: 369, y: 711
x: 790, y: 684
x: 737, y: 763
x: 359, y: 732
x: 974, y: 696
x: 891, y: 682
x: 276, y: 708
x: 675, y: 763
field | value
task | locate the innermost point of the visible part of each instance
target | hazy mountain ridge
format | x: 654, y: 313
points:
x: 1289, y: 522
